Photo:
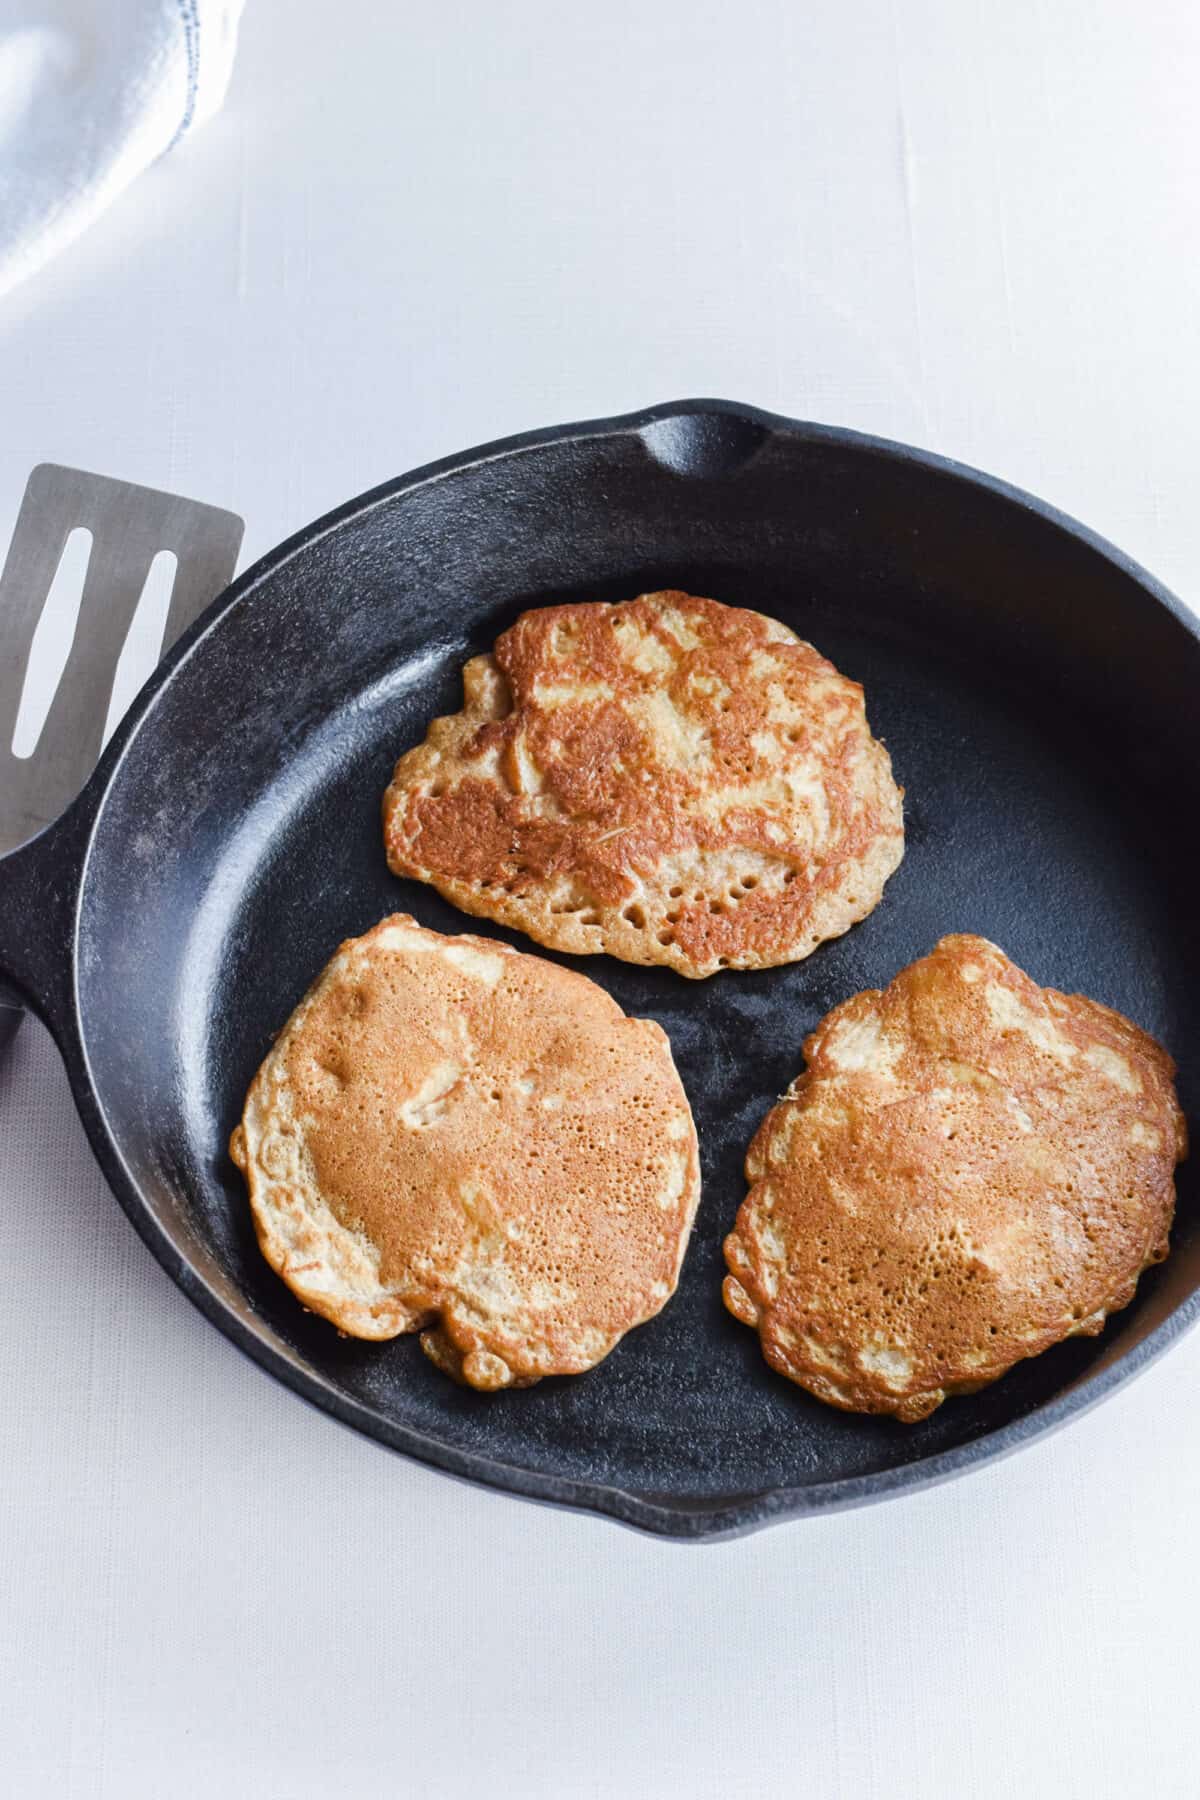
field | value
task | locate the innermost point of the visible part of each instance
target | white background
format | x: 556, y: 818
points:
x: 414, y: 228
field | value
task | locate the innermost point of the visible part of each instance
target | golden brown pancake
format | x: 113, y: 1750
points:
x: 970, y: 1169
x: 454, y: 1138
x: 668, y: 780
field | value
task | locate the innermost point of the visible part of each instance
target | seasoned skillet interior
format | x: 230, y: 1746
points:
x: 1039, y: 709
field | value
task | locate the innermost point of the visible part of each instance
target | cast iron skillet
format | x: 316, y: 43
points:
x: 1040, y: 695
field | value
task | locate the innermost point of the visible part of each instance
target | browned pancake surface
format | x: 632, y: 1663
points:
x: 452, y: 1137
x: 970, y: 1169
x: 669, y: 780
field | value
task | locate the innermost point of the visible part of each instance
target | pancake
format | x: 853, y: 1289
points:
x: 970, y: 1169
x: 454, y: 1138
x: 668, y: 780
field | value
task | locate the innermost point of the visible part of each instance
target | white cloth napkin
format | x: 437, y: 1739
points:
x: 91, y: 91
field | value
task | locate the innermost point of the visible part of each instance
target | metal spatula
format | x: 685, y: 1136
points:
x: 129, y: 526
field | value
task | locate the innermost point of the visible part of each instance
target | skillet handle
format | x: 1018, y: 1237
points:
x: 39, y: 884
x: 11, y: 1014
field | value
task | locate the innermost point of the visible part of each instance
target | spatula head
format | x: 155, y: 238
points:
x: 129, y: 525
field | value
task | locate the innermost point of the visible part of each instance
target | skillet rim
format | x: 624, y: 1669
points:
x: 70, y: 841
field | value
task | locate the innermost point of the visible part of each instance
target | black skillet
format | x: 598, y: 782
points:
x: 1040, y: 696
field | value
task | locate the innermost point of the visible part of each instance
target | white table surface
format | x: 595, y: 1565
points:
x: 412, y: 229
